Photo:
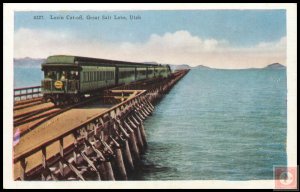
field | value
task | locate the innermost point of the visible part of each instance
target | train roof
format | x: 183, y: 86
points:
x: 75, y: 61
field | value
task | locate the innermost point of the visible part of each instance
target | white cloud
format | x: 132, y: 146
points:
x: 175, y: 48
x: 281, y: 44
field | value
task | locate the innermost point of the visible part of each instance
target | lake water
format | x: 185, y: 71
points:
x: 27, y: 77
x: 219, y: 125
x: 212, y: 125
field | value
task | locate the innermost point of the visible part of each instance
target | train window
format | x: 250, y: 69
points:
x: 63, y: 76
x: 143, y: 72
x: 73, y: 75
x: 50, y: 74
x: 107, y: 75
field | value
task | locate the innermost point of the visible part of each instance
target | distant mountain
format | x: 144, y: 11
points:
x: 179, y: 67
x: 201, y: 67
x: 28, y: 62
x: 275, y: 66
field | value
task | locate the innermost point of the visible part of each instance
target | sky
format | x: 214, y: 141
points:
x: 215, y: 38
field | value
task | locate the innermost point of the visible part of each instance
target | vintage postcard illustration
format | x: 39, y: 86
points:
x: 150, y: 96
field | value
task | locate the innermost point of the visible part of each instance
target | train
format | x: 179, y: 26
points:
x: 70, y: 78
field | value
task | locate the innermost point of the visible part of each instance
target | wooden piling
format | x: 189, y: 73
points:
x: 143, y: 134
x: 120, y: 164
x: 109, y: 171
x: 133, y: 144
x: 102, y: 171
x: 128, y: 157
x: 139, y: 139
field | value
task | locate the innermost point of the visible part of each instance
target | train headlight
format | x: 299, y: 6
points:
x: 58, y: 84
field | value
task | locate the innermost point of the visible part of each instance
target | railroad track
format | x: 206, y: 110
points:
x: 26, y: 122
x: 33, y: 115
x: 26, y: 104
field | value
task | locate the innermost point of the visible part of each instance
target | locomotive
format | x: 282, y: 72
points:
x: 69, y: 78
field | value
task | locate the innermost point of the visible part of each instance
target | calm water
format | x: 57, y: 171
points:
x: 218, y: 125
x: 27, y: 76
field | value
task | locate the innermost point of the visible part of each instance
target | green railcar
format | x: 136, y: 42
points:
x: 69, y: 78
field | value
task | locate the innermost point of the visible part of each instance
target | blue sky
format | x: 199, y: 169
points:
x: 230, y: 29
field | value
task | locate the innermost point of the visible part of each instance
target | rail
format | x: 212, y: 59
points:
x: 26, y: 93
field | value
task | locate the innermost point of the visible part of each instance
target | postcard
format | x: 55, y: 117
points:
x: 150, y: 96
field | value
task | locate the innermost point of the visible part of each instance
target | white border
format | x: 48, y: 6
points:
x: 8, y: 94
